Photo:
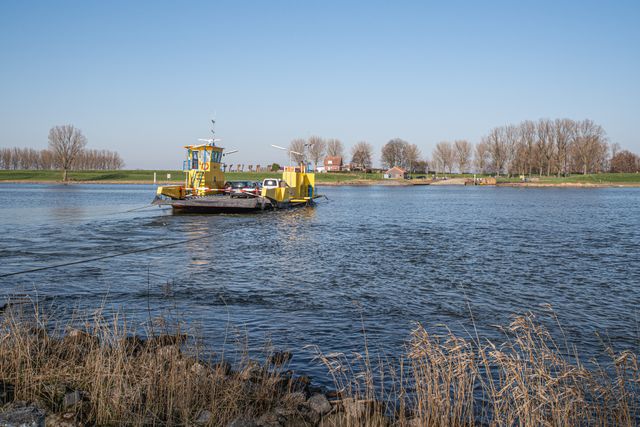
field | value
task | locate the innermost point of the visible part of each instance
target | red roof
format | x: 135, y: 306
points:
x: 333, y: 161
x: 396, y: 169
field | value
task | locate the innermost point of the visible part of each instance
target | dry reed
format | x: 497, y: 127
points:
x: 442, y: 379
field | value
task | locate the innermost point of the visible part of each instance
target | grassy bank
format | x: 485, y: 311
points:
x: 100, y: 373
x: 589, y: 179
x: 146, y: 176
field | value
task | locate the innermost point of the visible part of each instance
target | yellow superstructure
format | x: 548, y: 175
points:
x: 297, y: 186
x: 203, y: 173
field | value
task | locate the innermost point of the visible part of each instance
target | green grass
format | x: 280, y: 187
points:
x: 176, y: 176
x: 600, y: 178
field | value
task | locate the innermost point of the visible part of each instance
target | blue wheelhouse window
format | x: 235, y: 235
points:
x: 194, y: 160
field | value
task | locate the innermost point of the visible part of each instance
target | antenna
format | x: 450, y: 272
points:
x: 230, y: 152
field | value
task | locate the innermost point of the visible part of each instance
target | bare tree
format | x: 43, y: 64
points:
x: 589, y: 147
x: 335, y: 148
x: 497, y: 147
x: 564, y: 130
x: 297, y: 150
x: 66, y: 142
x: 394, y: 153
x: 362, y: 154
x: 412, y: 157
x: 317, y: 148
x: 625, y: 161
x: 443, y: 156
x: 481, y: 157
x: 463, y: 152
x: 545, y: 143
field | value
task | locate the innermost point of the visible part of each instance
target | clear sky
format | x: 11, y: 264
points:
x: 145, y: 78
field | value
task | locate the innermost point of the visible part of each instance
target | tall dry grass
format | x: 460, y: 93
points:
x: 527, y: 380
x: 167, y: 379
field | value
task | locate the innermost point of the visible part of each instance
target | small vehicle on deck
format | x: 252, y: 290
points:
x: 241, y: 188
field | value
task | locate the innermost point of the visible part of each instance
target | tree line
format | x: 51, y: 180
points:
x: 32, y: 159
x: 315, y: 149
x: 66, y: 151
x: 545, y: 147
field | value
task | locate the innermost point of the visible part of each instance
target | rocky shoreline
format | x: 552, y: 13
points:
x: 246, y: 394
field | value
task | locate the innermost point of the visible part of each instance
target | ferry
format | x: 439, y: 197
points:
x: 204, y: 188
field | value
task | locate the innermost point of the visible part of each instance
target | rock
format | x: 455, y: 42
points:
x: 204, y: 417
x: 72, y: 399
x: 20, y: 414
x: 7, y: 393
x: 62, y: 420
x: 279, y: 358
x: 198, y: 369
x: 270, y: 419
x: 243, y: 422
x: 304, y: 416
x: 319, y: 403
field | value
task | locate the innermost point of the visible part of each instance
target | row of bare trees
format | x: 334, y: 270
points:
x: 315, y: 149
x: 66, y: 151
x: 546, y: 147
x: 29, y: 158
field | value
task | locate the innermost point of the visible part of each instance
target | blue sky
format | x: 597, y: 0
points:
x: 145, y: 78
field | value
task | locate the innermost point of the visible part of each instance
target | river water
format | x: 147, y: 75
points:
x: 378, y: 258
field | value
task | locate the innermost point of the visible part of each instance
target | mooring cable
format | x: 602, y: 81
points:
x: 83, y: 261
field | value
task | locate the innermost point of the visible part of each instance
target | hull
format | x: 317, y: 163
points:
x: 226, y: 204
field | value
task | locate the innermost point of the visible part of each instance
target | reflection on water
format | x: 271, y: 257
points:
x: 382, y: 256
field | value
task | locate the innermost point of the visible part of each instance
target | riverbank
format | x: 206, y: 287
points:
x: 166, y: 177
x: 99, y: 372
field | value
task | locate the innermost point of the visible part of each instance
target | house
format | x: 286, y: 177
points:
x: 395, y: 173
x: 333, y: 164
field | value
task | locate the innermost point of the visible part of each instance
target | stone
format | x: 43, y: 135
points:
x: 21, y: 414
x: 243, y: 422
x: 62, y: 420
x: 72, y: 398
x: 319, y: 403
x: 270, y: 419
x: 198, y: 369
x: 204, y: 417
